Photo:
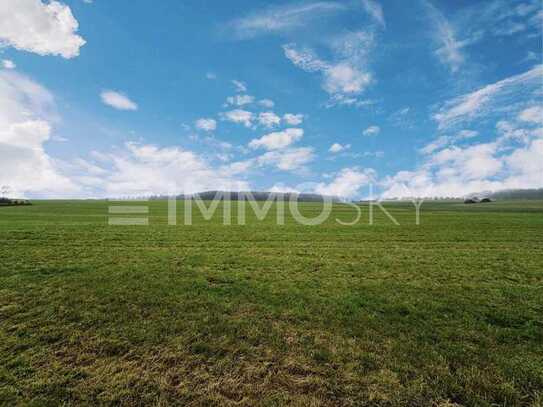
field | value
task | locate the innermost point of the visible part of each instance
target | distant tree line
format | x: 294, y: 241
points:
x: 512, y: 194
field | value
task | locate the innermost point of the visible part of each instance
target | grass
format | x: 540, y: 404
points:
x: 449, y: 312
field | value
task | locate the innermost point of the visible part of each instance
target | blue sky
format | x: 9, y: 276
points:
x: 116, y: 98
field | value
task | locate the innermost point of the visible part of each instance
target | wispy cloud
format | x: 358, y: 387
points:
x: 344, y: 77
x: 240, y: 86
x: 278, y: 19
x: 449, y: 51
x: 502, y: 18
x: 374, y: 9
x: 491, y: 99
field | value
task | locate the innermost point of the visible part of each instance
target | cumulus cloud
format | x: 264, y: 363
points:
x: 238, y: 116
x: 347, y: 183
x: 268, y: 119
x: 372, y: 131
x: 279, y: 19
x: 290, y: 159
x: 337, y: 148
x: 117, y: 100
x: 43, y: 28
x: 513, y: 160
x: 240, y: 100
x: 456, y: 163
x: 145, y: 169
x: 268, y: 103
x: 27, y: 116
x: 8, y: 64
x: 293, y: 119
x: 532, y: 114
x: 206, y: 124
x: 278, y: 139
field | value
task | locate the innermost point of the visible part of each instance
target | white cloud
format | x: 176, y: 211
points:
x: 532, y: 114
x: 238, y: 116
x: 27, y: 115
x: 345, y: 100
x: 143, y: 169
x: 281, y: 188
x: 278, y: 19
x: 336, y: 147
x: 443, y: 141
x: 346, y: 76
x: 291, y: 159
x: 509, y: 162
x: 471, y: 162
x: 375, y: 10
x: 268, y: 119
x: 347, y: 183
x: 238, y: 167
x: 240, y: 86
x: 211, y: 76
x: 8, y: 64
x: 501, y: 18
x: 43, y: 28
x: 206, y: 124
x: 304, y: 58
x: 501, y: 94
x: 267, y: 103
x: 450, y: 48
x: 293, y: 119
x: 117, y: 100
x: 372, y: 131
x: 240, y: 100
x: 278, y: 140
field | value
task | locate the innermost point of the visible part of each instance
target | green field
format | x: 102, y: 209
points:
x: 447, y: 312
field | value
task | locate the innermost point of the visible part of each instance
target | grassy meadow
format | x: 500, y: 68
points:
x: 448, y: 312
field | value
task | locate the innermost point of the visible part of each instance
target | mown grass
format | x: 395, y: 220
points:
x: 443, y: 313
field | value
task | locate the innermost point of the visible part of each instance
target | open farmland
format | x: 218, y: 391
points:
x: 446, y: 312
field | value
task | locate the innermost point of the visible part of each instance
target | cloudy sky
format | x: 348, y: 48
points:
x: 114, y: 98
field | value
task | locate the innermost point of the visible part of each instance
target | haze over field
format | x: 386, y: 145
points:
x: 423, y: 98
